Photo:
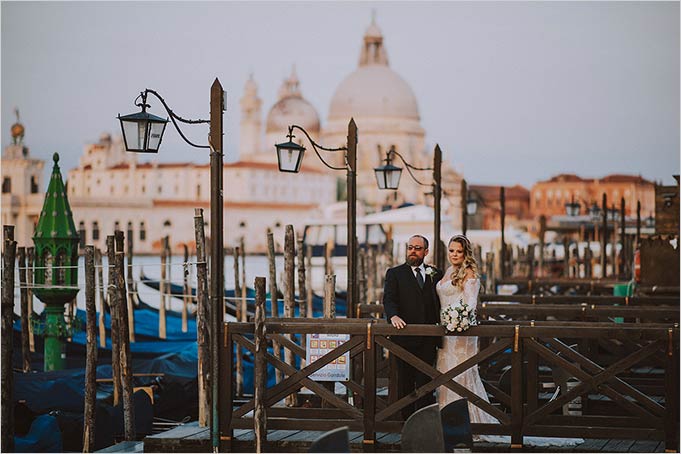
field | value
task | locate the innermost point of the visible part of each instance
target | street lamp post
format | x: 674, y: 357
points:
x: 472, y: 208
x: 388, y: 177
x: 290, y: 157
x: 142, y: 133
x: 502, y: 201
x: 464, y: 207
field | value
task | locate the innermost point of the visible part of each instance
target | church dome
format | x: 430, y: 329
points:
x: 291, y: 108
x: 373, y: 90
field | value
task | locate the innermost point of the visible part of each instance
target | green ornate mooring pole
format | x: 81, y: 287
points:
x: 56, y: 266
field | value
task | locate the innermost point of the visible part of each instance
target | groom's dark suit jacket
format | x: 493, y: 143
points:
x: 403, y: 297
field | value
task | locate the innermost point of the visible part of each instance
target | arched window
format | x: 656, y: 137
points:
x: 6, y: 185
x: 34, y: 185
x: 167, y: 223
x: 95, y: 231
x: 143, y: 231
x: 117, y: 226
x: 81, y: 234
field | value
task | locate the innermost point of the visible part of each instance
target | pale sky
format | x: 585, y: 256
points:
x: 514, y: 92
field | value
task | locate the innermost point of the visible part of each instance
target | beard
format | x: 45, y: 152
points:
x: 413, y: 260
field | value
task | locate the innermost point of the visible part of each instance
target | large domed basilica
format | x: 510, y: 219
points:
x: 111, y: 190
x: 386, y: 112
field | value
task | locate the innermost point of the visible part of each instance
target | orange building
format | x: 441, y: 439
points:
x: 549, y: 197
x: 488, y: 213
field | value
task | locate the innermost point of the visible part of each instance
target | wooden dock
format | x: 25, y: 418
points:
x: 192, y: 438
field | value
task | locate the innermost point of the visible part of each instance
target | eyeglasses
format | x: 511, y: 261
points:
x: 415, y: 248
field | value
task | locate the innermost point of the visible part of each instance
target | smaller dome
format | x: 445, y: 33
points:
x: 289, y: 111
x: 292, y: 108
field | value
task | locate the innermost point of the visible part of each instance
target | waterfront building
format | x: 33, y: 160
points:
x: 22, y: 187
x: 549, y: 197
x: 488, y: 212
x: 110, y: 190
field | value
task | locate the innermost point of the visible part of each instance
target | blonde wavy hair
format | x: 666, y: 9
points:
x: 469, y: 262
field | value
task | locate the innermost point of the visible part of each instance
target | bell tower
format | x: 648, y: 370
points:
x: 251, y: 120
x: 21, y: 185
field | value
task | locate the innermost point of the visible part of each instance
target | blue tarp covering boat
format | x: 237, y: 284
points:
x: 317, y: 301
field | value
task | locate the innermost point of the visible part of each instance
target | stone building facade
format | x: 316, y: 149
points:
x: 549, y: 197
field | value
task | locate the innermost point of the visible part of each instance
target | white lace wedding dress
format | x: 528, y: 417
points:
x: 457, y: 349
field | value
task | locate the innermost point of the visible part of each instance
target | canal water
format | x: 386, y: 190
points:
x: 256, y: 266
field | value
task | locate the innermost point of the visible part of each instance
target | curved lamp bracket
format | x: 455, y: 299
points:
x: 388, y: 160
x: 173, y: 116
x: 318, y: 147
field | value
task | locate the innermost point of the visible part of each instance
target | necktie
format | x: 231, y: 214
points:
x: 419, y: 277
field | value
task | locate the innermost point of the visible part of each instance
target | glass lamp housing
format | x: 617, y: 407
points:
x: 142, y: 131
x: 388, y: 176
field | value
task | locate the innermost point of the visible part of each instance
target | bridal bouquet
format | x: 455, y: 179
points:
x: 458, y: 317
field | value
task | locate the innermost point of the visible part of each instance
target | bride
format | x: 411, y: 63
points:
x: 461, y: 283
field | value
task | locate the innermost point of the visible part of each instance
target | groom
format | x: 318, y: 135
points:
x: 409, y: 296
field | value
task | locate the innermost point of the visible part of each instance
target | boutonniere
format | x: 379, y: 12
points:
x: 430, y: 271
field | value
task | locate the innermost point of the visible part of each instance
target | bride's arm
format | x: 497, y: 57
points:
x: 471, y: 288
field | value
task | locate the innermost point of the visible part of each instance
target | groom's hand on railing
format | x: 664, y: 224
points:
x: 397, y: 322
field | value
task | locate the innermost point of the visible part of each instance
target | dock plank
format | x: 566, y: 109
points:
x: 645, y: 446
x: 125, y: 446
x: 181, y: 431
x: 617, y: 446
x: 592, y: 445
x: 279, y: 435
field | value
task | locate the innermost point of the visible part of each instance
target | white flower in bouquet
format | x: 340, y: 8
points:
x: 459, y: 317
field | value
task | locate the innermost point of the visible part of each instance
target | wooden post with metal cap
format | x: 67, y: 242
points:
x: 217, y: 284
x: 352, y: 286
x: 437, y: 195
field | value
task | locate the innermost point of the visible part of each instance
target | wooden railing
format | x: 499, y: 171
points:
x: 631, y: 395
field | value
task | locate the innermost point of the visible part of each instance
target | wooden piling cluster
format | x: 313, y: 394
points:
x: 89, y: 412
x: 25, y: 317
x: 202, y: 320
x: 7, y: 341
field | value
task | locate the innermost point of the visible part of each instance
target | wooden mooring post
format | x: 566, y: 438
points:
x: 244, y: 287
x: 260, y: 367
x: 289, y: 295
x: 30, y: 252
x: 186, y: 291
x: 89, y: 413
x: 308, y: 281
x: 99, y: 264
x: 7, y: 342
x: 302, y: 289
x: 25, y: 316
x: 124, y: 352
x: 329, y: 313
x: 239, y: 317
x: 302, y: 279
x: 112, y: 296
x: 274, y: 301
x: 130, y: 285
x: 163, y: 287
x: 202, y: 320
x: 490, y: 287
